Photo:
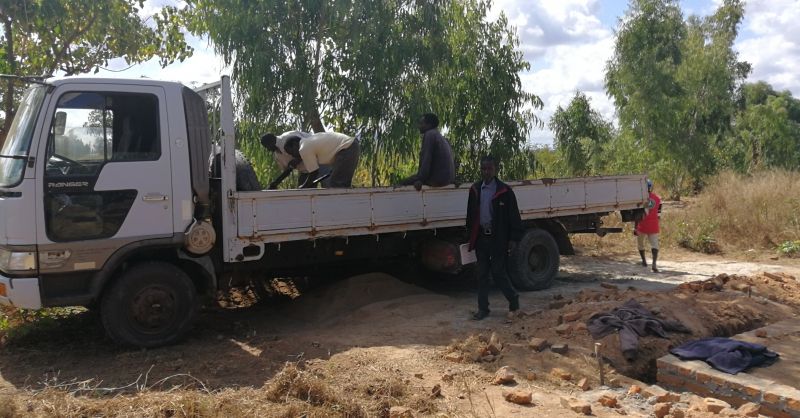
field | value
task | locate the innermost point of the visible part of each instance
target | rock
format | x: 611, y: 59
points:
x: 583, y: 384
x: 662, y: 409
x: 678, y: 413
x: 614, y: 383
x: 494, y: 339
x: 530, y: 376
x: 741, y: 287
x: 714, y: 405
x: 576, y: 405
x: 749, y: 410
x: 563, y: 329
x: 436, y: 392
x: 772, y: 276
x: 660, y: 395
x: 493, y: 349
x: 609, y: 401
x: 454, y: 357
x: 488, y: 359
x: 608, y: 286
x: 400, y: 412
x: 561, y: 374
x: 761, y: 333
x: 572, y: 316
x: 519, y: 397
x: 503, y: 376
x: 538, y: 344
x: 557, y: 305
x: 729, y: 412
x: 418, y: 375
x: 634, y: 390
x: 668, y: 397
x: 559, y: 348
x: 581, y: 327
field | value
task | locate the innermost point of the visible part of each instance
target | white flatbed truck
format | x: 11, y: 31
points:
x: 107, y: 201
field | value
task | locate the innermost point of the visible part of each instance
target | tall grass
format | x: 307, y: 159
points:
x: 758, y: 211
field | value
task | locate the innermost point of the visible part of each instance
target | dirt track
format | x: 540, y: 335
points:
x: 358, y: 328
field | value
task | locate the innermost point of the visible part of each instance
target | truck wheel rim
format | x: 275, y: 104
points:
x: 152, y: 309
x: 537, y: 258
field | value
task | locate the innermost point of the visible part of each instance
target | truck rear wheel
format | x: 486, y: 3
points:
x: 534, y: 264
x: 150, y: 305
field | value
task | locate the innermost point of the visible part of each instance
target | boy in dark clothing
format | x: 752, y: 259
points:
x: 495, y: 228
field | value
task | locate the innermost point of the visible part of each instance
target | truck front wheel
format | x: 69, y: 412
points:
x: 150, y: 305
x: 534, y: 264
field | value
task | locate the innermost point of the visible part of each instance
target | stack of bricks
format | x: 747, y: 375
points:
x: 776, y: 400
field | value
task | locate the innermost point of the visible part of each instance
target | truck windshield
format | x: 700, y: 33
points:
x: 14, y: 155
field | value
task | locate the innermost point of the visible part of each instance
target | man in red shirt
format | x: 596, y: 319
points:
x: 647, y: 228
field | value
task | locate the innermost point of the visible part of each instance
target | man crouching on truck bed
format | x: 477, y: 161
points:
x: 339, y: 151
x: 495, y: 227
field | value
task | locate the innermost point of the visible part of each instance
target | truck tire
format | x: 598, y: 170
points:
x: 150, y: 305
x: 534, y: 263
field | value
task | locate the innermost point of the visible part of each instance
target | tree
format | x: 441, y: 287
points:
x: 374, y: 67
x: 41, y: 37
x: 674, y: 83
x: 580, y: 135
x: 766, y: 130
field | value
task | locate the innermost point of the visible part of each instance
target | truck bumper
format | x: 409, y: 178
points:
x: 20, y: 292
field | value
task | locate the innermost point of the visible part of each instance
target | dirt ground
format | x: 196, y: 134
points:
x: 359, y: 346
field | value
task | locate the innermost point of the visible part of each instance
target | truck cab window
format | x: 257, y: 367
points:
x: 90, y: 130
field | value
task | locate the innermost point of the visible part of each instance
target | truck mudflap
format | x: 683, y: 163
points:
x: 20, y: 292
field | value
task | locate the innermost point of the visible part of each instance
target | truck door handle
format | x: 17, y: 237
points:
x: 154, y: 197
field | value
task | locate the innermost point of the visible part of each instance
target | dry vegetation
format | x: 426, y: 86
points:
x: 740, y: 212
x: 734, y: 213
x: 293, y: 392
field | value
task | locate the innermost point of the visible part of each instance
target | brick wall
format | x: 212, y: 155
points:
x: 697, y: 377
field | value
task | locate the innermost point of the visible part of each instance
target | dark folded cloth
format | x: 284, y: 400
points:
x: 632, y: 320
x: 725, y: 354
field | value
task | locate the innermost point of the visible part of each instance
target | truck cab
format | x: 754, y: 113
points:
x: 107, y: 178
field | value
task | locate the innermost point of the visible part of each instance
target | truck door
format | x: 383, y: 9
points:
x: 106, y: 176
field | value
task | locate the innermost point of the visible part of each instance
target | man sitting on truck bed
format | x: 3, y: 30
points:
x: 436, y: 165
x: 338, y: 150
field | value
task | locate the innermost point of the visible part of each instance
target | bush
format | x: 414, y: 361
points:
x: 790, y: 248
x: 699, y: 237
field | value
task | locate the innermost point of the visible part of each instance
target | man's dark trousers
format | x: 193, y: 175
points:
x: 492, y: 261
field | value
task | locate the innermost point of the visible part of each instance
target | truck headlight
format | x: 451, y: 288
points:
x: 13, y: 261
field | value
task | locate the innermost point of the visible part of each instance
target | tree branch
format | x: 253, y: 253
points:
x: 59, y: 56
x: 8, y: 106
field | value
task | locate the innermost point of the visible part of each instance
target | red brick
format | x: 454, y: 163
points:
x: 705, y: 378
x: 770, y: 411
x: 753, y: 393
x: 662, y: 365
x: 671, y: 380
x: 793, y: 404
x: 685, y: 371
x: 699, y: 390
x: 732, y: 400
x: 772, y: 398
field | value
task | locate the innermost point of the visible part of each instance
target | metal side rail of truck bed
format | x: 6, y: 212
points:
x: 290, y: 215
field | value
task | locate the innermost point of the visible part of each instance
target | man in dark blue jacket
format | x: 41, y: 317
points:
x: 495, y: 228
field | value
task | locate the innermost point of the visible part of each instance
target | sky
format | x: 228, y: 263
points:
x: 567, y: 43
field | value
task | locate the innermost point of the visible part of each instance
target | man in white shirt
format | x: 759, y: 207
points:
x: 276, y: 145
x: 338, y: 150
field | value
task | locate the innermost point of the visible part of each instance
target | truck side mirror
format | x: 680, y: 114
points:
x: 60, y: 123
